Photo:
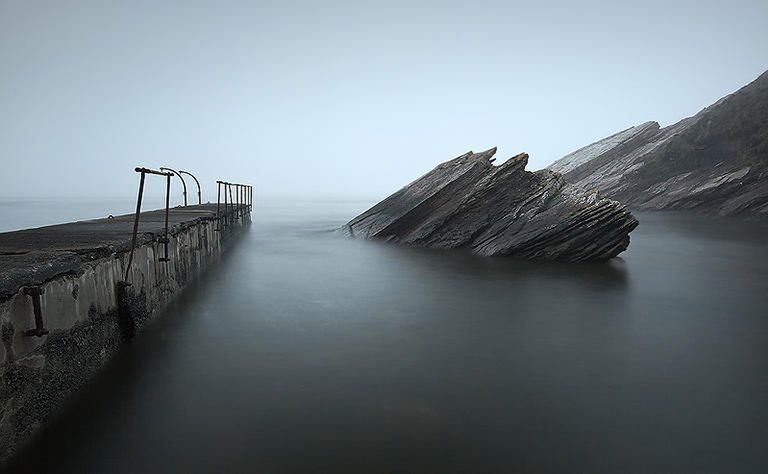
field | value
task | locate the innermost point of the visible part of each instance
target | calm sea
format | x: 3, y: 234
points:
x: 307, y: 352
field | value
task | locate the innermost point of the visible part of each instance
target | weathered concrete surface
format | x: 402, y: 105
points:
x: 714, y: 162
x: 78, y: 265
x: 469, y: 203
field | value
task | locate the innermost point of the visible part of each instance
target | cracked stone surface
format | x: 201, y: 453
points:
x: 35, y: 256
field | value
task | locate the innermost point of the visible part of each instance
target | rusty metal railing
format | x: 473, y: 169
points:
x: 236, y: 204
x: 164, y: 240
x: 238, y: 200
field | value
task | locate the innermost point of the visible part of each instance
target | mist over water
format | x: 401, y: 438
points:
x: 304, y: 351
x: 28, y: 213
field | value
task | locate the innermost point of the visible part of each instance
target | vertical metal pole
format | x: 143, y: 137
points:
x: 167, y: 206
x: 226, y: 220
x: 237, y: 196
x: 218, y: 205
x: 231, y: 201
x: 135, y: 225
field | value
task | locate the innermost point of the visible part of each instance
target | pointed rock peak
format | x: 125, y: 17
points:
x: 517, y: 162
x: 458, y: 161
x: 650, y: 125
x: 487, y: 154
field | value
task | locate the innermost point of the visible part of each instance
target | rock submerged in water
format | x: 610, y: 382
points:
x: 469, y: 203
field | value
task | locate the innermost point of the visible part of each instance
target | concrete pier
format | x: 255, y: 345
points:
x: 72, y: 275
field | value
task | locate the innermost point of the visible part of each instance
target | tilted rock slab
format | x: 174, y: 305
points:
x: 469, y: 203
x: 713, y: 162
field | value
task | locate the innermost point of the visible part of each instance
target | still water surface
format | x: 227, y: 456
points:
x: 307, y: 352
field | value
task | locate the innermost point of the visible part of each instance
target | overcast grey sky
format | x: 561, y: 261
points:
x: 345, y: 98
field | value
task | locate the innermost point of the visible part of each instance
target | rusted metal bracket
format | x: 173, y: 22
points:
x: 34, y: 292
x: 165, y: 241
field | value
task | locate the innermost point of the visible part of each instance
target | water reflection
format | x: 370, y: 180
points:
x: 304, y: 351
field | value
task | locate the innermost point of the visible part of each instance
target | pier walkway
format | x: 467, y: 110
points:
x: 34, y: 256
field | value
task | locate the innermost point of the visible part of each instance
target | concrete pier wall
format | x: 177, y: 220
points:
x: 79, y: 305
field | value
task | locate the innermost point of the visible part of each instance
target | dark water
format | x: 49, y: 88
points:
x: 307, y: 352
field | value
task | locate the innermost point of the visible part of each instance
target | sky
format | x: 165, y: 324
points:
x: 344, y: 99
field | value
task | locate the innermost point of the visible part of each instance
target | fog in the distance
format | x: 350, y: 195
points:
x: 344, y: 98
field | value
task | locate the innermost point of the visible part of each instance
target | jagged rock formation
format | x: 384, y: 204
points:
x: 469, y: 203
x: 715, y: 161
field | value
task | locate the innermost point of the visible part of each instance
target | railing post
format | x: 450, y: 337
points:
x: 136, y: 222
x: 218, y: 205
x: 226, y: 208
x: 231, y: 202
x: 165, y: 239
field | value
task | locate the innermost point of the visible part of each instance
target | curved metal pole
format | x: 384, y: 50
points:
x: 199, y: 195
x: 183, y: 184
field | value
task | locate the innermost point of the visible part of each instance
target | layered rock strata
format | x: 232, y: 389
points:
x: 469, y: 203
x: 715, y: 162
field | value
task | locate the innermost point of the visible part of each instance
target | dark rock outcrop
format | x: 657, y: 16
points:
x: 469, y: 203
x: 715, y: 161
